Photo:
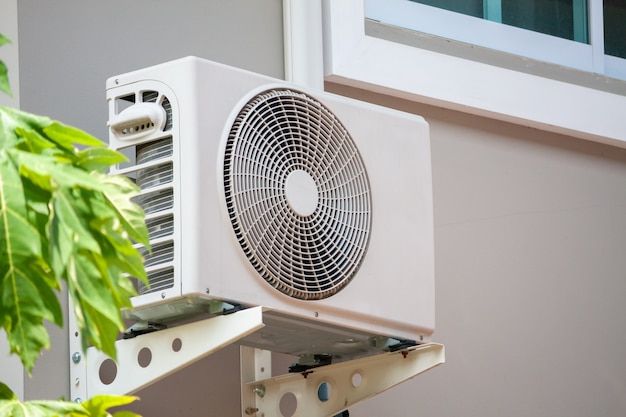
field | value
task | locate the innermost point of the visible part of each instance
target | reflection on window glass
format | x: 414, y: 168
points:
x: 615, y: 28
x: 563, y: 18
x: 553, y: 17
x: 469, y: 7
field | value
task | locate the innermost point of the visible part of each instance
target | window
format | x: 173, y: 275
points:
x: 563, y: 18
x: 615, y: 28
x: 587, y: 35
x: 367, y: 47
x: 470, y: 7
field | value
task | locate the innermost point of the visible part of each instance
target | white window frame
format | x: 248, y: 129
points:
x: 355, y: 59
x: 485, y: 33
x: 490, y: 34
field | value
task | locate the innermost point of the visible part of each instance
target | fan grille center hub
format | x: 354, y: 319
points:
x: 301, y: 192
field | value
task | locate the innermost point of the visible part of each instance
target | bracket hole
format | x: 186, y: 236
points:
x: 144, y: 357
x: 288, y: 404
x: 107, y: 371
x: 323, y: 392
x: 356, y: 379
x: 177, y: 345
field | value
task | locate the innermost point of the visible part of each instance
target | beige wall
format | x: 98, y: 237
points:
x: 530, y: 238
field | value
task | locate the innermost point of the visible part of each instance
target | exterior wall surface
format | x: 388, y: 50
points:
x: 530, y: 238
x: 68, y: 49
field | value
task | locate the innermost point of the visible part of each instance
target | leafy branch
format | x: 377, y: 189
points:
x: 62, y: 219
x: 97, y: 406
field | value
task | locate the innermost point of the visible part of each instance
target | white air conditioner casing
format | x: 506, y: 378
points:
x: 174, y: 122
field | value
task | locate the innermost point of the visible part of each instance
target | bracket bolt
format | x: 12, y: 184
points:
x: 163, y: 295
x: 77, y: 381
x: 76, y: 357
x: 78, y: 400
x: 260, y: 390
x: 251, y: 410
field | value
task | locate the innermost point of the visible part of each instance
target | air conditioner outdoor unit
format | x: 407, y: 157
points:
x: 258, y: 192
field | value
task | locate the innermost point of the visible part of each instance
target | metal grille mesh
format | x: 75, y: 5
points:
x: 310, y: 256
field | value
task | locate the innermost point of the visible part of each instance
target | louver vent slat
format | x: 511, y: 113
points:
x: 151, y: 151
x: 152, y: 169
x: 159, y: 280
x: 297, y: 194
x: 155, y: 176
x: 156, y: 201
x: 161, y: 253
x: 150, y: 96
x: 160, y: 226
x: 168, y: 112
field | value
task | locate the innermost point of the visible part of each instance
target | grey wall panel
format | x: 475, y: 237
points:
x: 530, y: 238
x: 70, y: 47
x: 67, y: 50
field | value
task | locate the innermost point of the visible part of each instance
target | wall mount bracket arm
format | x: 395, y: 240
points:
x: 347, y: 383
x: 168, y: 351
x: 148, y: 358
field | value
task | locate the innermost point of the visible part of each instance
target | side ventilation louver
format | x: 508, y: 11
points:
x: 152, y: 169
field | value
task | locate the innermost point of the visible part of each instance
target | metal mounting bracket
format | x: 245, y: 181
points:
x: 328, y: 390
x: 322, y: 391
x: 150, y: 357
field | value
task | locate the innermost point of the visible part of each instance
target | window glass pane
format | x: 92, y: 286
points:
x: 563, y: 18
x: 469, y: 7
x: 615, y: 28
x: 553, y: 17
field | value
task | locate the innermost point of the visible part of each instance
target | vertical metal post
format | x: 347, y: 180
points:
x: 78, y: 360
x: 255, y: 365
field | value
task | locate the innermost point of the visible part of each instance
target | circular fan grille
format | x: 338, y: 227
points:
x: 297, y: 194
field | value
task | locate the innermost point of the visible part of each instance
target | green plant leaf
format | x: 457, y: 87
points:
x: 21, y: 300
x: 6, y: 393
x: 119, y: 194
x: 100, y: 314
x: 98, y: 406
x: 125, y: 414
x: 62, y: 219
x: 68, y: 135
x: 13, y: 119
x: 4, y: 40
x: 99, y: 159
x: 4, y: 79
